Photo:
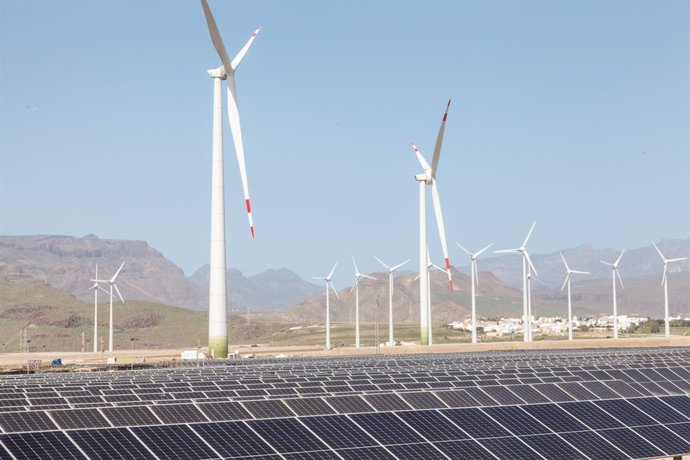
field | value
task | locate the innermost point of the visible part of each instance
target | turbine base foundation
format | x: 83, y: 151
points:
x: 218, y: 347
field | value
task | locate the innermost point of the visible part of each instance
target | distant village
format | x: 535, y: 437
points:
x: 555, y: 325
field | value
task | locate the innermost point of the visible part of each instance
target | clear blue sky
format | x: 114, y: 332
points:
x: 575, y: 114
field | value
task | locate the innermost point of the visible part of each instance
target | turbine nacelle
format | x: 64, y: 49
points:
x: 218, y: 72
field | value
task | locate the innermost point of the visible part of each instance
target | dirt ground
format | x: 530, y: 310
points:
x: 13, y: 360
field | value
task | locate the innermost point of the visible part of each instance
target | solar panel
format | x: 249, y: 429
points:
x: 475, y: 422
x: 386, y: 428
x: 130, y: 416
x: 630, y: 442
x: 457, y: 398
x: 553, y: 392
x: 178, y: 413
x: 432, y: 425
x: 591, y: 415
x: 503, y: 395
x: 529, y: 394
x: 420, y: 400
x: 622, y: 388
x: 41, y: 445
x: 110, y: 443
x: 173, y: 442
x: 664, y: 439
x: 594, y: 446
x: 268, y: 409
x: 314, y: 455
x: 554, y: 417
x: 286, y: 435
x: 625, y: 412
x: 464, y: 449
x: 510, y: 449
x: 309, y: 406
x: 232, y: 439
x: 387, y: 402
x: 657, y: 410
x: 224, y: 411
x: 370, y: 453
x: 79, y: 418
x: 11, y: 422
x: 416, y: 451
x: 481, y: 397
x: 338, y: 431
x: 552, y: 446
x: 348, y: 404
x: 679, y: 403
x: 515, y: 420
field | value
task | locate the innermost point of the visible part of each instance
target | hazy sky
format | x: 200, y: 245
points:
x: 575, y: 114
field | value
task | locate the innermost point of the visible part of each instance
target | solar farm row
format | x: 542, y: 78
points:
x: 554, y: 404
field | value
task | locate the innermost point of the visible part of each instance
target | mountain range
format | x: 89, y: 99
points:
x: 67, y: 263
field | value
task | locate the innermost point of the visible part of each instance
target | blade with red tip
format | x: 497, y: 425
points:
x: 237, y: 60
x: 235, y: 128
x: 421, y: 159
x: 441, y: 228
x: 439, y: 142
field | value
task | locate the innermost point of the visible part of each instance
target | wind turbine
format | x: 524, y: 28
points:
x: 664, y: 281
x: 568, y: 274
x: 474, y: 280
x: 428, y: 177
x: 429, y: 266
x: 329, y: 285
x: 525, y: 282
x: 217, y: 308
x: 390, y: 269
x: 95, y: 287
x: 614, y: 272
x: 355, y: 286
x: 112, y: 284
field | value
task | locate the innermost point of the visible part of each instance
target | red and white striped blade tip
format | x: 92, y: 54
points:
x: 445, y: 115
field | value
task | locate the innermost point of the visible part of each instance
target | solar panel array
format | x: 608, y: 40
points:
x: 574, y: 404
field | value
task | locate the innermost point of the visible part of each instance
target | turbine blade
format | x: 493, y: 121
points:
x: 567, y: 277
x: 422, y: 161
x: 107, y: 292
x: 355, y: 264
x: 441, y: 228
x: 399, y: 265
x: 482, y: 251
x: 565, y: 263
x: 416, y: 278
x: 606, y: 263
x: 320, y: 278
x: 663, y: 278
x: 579, y: 272
x: 238, y: 59
x: 354, y: 285
x: 235, y: 128
x: 117, y: 272
x: 382, y: 263
x: 619, y: 257
x: 334, y: 291
x: 619, y: 278
x: 677, y: 259
x: 505, y: 251
x: 368, y: 277
x: 476, y: 272
x: 529, y: 234
x: 439, y: 142
x: 530, y: 262
x: 657, y: 250
x: 332, y: 270
x: 466, y: 251
x: 216, y: 39
x: 118, y: 293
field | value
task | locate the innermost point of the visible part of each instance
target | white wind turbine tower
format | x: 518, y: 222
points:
x: 390, y: 269
x: 428, y: 177
x: 355, y: 286
x: 664, y: 281
x: 614, y: 272
x: 525, y: 282
x: 429, y: 266
x: 96, y: 287
x: 329, y: 285
x: 568, y: 274
x: 217, y: 308
x: 474, y: 280
x: 112, y: 284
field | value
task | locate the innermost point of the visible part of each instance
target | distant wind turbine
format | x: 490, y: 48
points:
x: 525, y: 283
x: 614, y: 272
x: 217, y: 308
x: 474, y: 280
x: 390, y: 269
x: 664, y: 282
x: 329, y: 285
x: 95, y: 287
x: 428, y: 177
x: 112, y: 284
x: 568, y: 274
x: 355, y: 286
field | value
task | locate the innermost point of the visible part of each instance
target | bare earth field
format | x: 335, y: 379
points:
x: 10, y: 361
